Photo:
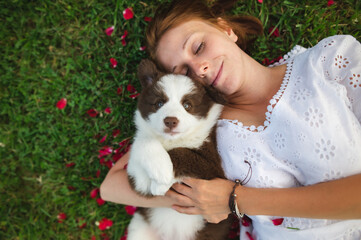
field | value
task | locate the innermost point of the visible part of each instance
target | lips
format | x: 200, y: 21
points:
x: 215, y: 81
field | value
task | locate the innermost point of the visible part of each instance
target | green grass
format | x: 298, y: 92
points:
x: 58, y: 49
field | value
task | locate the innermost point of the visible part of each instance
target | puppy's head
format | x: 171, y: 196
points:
x: 171, y: 105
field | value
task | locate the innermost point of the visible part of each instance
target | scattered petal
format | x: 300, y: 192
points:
x: 92, y: 112
x: 330, y: 2
x: 81, y: 223
x: 249, y: 236
x: 130, y: 209
x: 93, y: 238
x: 97, y: 174
x: 109, y: 164
x: 133, y: 96
x: 104, y: 151
x: 113, y: 62
x: 61, y: 104
x: 105, y: 224
x: 71, y: 188
x: 260, y: 1
x: 116, y: 132
x: 128, y: 13
x: 70, y: 164
x: 246, y: 222
x: 124, y: 43
x: 275, y: 32
x: 94, y: 193
x: 103, y: 139
x: 277, y: 221
x: 131, y: 88
x: 142, y: 48
x: 147, y: 19
x: 119, y: 90
x: 108, y: 110
x: 266, y: 62
x: 109, y: 30
x: 100, y: 201
x: 124, y: 35
x: 61, y: 217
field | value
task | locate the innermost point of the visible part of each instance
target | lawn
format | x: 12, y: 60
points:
x: 53, y: 160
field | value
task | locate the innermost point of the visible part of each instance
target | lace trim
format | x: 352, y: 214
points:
x: 294, y: 51
x: 271, y: 106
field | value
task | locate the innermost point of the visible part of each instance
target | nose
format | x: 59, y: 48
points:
x: 201, y: 69
x: 171, y: 122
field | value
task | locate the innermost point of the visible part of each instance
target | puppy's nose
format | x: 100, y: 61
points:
x: 171, y: 122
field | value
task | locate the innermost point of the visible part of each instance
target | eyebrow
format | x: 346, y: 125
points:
x: 183, y: 47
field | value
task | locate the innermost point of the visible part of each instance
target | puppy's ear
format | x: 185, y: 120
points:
x: 147, y: 73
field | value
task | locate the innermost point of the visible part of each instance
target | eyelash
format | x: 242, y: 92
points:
x: 200, y: 47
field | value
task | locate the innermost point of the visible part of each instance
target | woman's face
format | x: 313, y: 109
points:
x: 204, y: 52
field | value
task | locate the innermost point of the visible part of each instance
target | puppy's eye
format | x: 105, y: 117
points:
x: 187, y: 106
x: 159, y: 104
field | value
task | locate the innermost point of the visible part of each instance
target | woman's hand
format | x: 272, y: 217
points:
x: 208, y: 198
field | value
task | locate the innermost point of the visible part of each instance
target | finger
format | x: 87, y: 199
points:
x: 186, y: 210
x: 179, y: 199
x: 190, y: 181
x: 182, y: 189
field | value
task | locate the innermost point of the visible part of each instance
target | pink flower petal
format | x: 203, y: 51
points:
x: 124, y: 35
x: 109, y: 30
x: 113, y: 62
x: 277, y: 221
x: 104, y: 151
x: 94, y: 193
x: 260, y: 1
x: 103, y: 139
x: 105, y: 224
x: 97, y: 174
x: 70, y: 165
x: 133, y: 96
x: 61, y: 217
x: 119, y: 90
x: 330, y: 2
x: 100, y: 201
x: 61, y: 104
x: 142, y: 48
x: 128, y: 13
x: 108, y: 110
x: 130, y: 210
x: 275, y: 32
x: 147, y: 19
x: 92, y: 112
x: 131, y: 88
x: 116, y: 132
x: 124, y: 43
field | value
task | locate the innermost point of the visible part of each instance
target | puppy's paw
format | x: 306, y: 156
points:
x: 159, y: 189
x: 162, y: 170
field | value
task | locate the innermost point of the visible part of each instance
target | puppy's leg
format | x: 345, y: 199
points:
x: 139, y: 229
x: 150, y: 163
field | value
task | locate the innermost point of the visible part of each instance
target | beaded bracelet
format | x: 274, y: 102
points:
x: 232, y: 201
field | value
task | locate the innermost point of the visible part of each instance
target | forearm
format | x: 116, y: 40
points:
x: 339, y: 199
x: 116, y: 188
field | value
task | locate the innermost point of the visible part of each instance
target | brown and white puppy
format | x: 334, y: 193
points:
x: 175, y: 138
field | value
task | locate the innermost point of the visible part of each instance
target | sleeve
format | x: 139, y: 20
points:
x: 341, y: 59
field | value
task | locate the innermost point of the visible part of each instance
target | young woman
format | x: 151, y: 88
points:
x: 290, y: 133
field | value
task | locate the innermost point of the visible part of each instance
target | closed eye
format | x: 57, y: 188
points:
x: 200, y: 47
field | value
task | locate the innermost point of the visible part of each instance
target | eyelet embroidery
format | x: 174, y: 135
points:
x: 355, y: 80
x: 341, y: 62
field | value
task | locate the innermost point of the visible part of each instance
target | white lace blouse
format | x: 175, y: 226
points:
x: 311, y: 134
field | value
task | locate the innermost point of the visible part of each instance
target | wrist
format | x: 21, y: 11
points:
x: 233, y: 205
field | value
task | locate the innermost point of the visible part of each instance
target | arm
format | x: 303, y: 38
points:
x: 338, y: 199
x: 116, y: 188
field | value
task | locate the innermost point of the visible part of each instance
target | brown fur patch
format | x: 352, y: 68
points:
x: 148, y: 99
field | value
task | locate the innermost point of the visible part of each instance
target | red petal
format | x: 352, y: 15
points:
x: 124, y: 43
x: 249, y: 236
x: 61, y: 104
x: 275, y: 31
x: 330, y: 2
x: 71, y: 188
x: 119, y: 90
x: 104, y: 151
x: 116, y: 132
x: 61, y: 217
x: 109, y: 164
x: 113, y: 62
x: 92, y: 112
x: 142, y: 48
x: 131, y: 88
x: 105, y: 224
x: 100, y: 201
x: 277, y: 221
x: 147, y: 19
x: 133, y: 96
x: 97, y: 174
x: 128, y: 13
x: 70, y: 165
x: 94, y: 193
x: 108, y: 110
x: 260, y: 1
x: 103, y: 139
x: 130, y: 210
x: 124, y: 35
x: 109, y: 30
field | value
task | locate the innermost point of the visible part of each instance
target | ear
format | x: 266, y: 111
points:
x: 227, y: 29
x: 147, y: 72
